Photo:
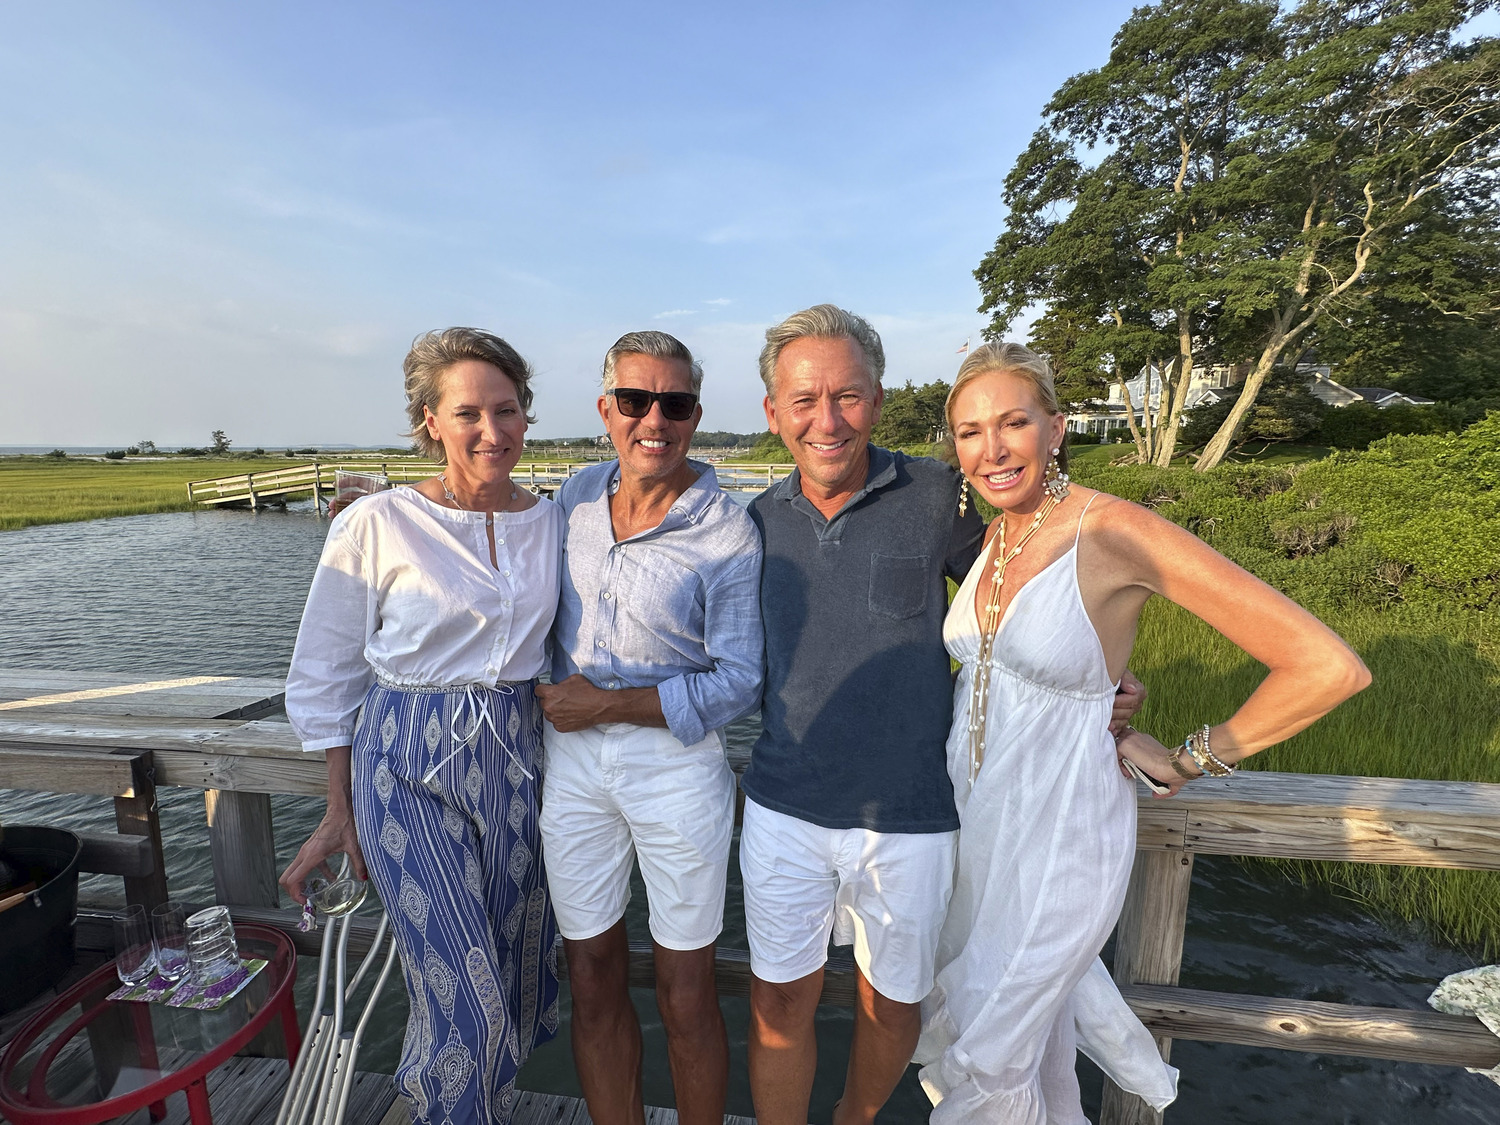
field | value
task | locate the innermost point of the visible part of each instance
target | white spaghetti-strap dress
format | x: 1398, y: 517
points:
x: 1044, y: 856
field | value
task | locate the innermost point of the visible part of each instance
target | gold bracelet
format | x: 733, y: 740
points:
x: 1197, y: 746
x: 1174, y: 760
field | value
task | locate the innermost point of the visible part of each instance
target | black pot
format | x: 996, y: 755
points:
x: 36, y: 934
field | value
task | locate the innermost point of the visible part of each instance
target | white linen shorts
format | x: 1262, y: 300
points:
x: 885, y: 893
x: 618, y: 792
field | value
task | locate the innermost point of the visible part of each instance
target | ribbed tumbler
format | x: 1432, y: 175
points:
x: 211, y: 948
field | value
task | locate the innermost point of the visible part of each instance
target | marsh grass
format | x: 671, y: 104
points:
x: 39, y: 490
x: 1433, y: 711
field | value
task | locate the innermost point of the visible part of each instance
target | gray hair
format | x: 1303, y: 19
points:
x: 822, y: 322
x: 432, y: 354
x: 657, y: 344
x: 1012, y: 359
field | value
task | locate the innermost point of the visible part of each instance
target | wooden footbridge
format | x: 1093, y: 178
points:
x: 319, y: 479
x: 69, y: 733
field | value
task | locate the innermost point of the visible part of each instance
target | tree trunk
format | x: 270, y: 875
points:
x: 1142, y: 452
x: 1167, y: 444
x: 1218, y: 445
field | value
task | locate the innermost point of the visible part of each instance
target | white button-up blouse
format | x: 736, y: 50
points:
x: 405, y: 593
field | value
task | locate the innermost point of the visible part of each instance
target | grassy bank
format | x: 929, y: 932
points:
x: 38, y: 490
x: 1398, y: 549
x: 1433, y: 711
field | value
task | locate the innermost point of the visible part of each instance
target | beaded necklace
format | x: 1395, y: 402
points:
x: 979, y: 692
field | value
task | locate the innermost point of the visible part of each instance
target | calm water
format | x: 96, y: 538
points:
x: 221, y: 592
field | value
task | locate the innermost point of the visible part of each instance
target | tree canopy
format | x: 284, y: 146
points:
x: 1239, y: 181
x: 912, y: 415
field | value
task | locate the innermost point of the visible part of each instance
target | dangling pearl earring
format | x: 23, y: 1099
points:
x: 963, y: 497
x: 1055, y: 481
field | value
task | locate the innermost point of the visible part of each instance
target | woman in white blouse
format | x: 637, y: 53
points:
x: 414, y: 673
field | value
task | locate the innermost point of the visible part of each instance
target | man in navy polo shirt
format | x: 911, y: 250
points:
x: 850, y: 827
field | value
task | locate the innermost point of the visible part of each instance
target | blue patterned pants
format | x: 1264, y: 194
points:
x: 447, y: 820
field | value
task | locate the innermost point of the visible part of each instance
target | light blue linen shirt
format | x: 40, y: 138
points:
x: 676, y: 608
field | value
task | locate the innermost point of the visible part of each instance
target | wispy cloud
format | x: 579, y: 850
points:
x: 719, y: 302
x: 675, y: 312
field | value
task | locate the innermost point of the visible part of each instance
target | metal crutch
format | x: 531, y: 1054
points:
x: 337, y: 900
x: 349, y: 1041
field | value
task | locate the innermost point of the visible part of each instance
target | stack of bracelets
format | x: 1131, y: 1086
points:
x: 1196, y: 745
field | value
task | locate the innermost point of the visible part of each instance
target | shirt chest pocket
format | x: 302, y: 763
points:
x: 660, y: 594
x: 898, y: 585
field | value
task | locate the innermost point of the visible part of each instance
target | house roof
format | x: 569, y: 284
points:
x: 1380, y: 394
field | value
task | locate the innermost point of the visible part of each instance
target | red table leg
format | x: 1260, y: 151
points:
x: 289, y: 1029
x: 145, y: 1039
x: 197, y: 1100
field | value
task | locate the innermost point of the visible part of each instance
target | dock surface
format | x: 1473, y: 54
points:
x: 248, y: 1091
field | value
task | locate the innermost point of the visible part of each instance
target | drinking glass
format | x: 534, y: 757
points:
x: 338, y: 894
x: 134, y: 960
x: 211, y: 950
x: 169, y: 936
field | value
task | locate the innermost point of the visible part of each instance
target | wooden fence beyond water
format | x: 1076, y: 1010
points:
x: 125, y: 748
x: 275, y: 486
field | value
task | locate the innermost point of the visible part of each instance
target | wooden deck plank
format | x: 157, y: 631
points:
x: 533, y: 1108
x: 97, y: 772
x: 110, y: 693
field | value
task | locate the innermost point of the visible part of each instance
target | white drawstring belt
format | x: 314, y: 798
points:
x: 480, y: 709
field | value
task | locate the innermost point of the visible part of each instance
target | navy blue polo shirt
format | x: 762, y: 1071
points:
x: 858, y: 694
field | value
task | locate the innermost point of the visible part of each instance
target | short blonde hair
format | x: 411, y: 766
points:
x: 432, y: 354
x: 1012, y: 359
x: 823, y: 322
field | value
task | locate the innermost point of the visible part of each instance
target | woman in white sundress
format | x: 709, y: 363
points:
x: 1042, y: 626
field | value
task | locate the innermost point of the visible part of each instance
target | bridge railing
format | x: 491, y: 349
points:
x: 319, y: 478
x: 239, y: 764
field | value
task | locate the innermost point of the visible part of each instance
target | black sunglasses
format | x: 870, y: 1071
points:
x: 676, y: 406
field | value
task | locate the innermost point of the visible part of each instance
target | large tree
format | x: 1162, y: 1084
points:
x: 1240, y: 176
x: 1128, y: 240
x: 1376, y: 128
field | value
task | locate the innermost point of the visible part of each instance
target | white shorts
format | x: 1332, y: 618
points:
x: 885, y: 893
x: 618, y: 792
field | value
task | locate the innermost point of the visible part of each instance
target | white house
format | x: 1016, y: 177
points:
x: 1209, y: 385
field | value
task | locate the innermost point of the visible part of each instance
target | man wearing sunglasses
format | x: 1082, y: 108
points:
x: 657, y: 646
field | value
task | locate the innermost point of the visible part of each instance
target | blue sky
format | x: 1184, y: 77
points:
x: 237, y: 216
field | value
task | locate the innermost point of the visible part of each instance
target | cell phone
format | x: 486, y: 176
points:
x: 1146, y: 779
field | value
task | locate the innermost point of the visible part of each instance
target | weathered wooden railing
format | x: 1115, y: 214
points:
x: 1349, y: 819
x: 318, y: 479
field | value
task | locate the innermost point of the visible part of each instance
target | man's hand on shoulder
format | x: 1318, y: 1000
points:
x: 1128, y: 701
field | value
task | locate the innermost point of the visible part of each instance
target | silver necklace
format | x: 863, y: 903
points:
x: 452, y: 499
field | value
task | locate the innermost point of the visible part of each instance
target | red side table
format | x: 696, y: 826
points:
x: 85, y: 1059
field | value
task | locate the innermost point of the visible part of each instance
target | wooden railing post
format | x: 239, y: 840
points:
x: 243, y: 847
x: 137, y: 815
x: 317, y: 489
x: 1148, y: 950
